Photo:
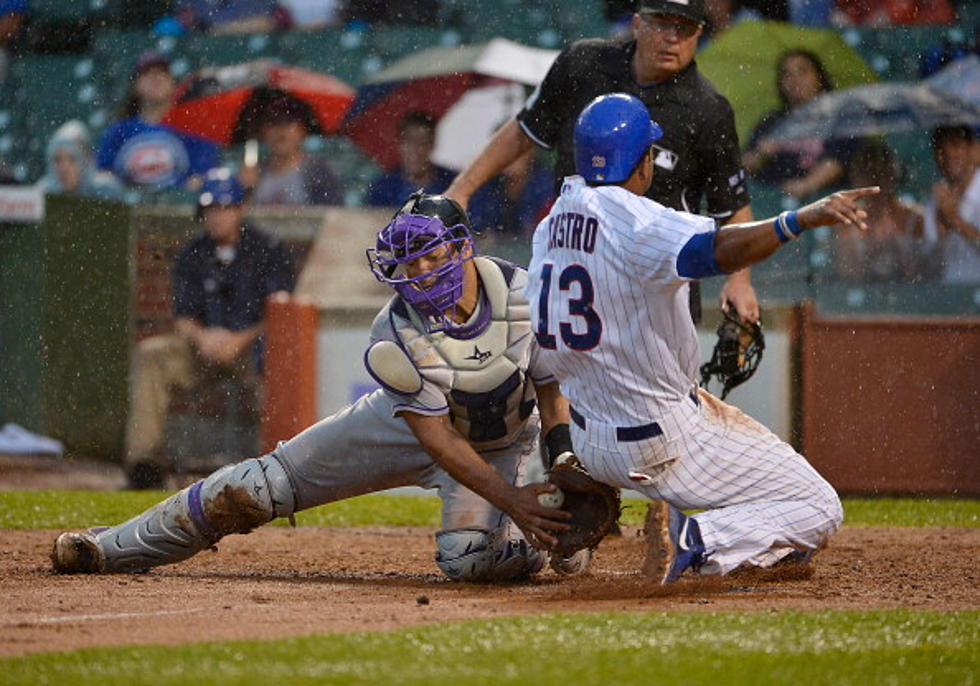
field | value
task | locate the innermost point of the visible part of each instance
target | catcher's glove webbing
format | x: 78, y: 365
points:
x: 594, y: 506
x: 737, y: 352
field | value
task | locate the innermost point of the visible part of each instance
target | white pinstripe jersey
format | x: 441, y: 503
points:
x: 608, y: 307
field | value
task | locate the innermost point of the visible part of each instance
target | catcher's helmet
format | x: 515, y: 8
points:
x: 409, y: 237
x: 448, y: 210
x: 220, y: 189
x: 611, y: 135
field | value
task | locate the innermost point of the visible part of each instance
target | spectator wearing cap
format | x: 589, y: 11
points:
x: 140, y: 150
x: 416, y: 170
x: 697, y: 164
x: 290, y: 175
x: 221, y: 280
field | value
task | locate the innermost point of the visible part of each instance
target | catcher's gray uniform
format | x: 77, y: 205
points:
x: 484, y: 383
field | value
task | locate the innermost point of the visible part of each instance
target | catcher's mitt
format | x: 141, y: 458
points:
x: 594, y: 506
x: 737, y: 352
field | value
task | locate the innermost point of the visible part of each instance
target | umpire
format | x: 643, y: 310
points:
x: 699, y: 159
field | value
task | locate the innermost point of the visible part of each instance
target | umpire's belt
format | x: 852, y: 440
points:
x: 626, y: 434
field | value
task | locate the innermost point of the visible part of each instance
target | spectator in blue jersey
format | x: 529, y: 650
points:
x: 231, y: 16
x: 416, y: 139
x: 513, y: 202
x: 143, y: 152
x: 71, y: 168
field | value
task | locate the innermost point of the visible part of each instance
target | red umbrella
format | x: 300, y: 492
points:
x: 225, y: 104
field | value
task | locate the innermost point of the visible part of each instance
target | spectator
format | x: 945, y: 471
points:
x: 953, y: 212
x: 231, y: 16
x: 385, y: 12
x: 143, y: 152
x: 513, y: 202
x: 221, y: 280
x: 416, y: 139
x: 892, y: 249
x: 800, y: 168
x: 12, y: 13
x: 290, y: 175
x: 312, y: 14
x: 722, y: 15
x: 698, y: 162
x: 71, y: 167
x: 872, y: 13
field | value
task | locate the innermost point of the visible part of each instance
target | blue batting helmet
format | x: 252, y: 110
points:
x: 221, y: 189
x: 611, y: 135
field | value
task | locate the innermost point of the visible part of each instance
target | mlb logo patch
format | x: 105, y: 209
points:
x: 598, y: 161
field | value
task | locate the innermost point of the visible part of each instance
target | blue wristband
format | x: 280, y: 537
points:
x: 787, y: 227
x: 793, y: 223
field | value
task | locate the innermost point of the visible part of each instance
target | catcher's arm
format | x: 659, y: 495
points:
x: 454, y: 454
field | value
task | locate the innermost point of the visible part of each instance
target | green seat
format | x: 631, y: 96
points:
x: 206, y: 51
x: 71, y: 91
x: 340, y: 53
x: 896, y: 52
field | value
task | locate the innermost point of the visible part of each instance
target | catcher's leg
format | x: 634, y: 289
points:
x: 235, y: 499
x: 478, y: 542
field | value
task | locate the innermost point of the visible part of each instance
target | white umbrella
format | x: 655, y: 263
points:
x: 467, y: 126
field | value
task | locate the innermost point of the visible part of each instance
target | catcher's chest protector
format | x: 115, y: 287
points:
x: 484, y: 378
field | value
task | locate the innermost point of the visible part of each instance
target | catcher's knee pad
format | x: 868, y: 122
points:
x: 233, y: 500
x: 481, y: 555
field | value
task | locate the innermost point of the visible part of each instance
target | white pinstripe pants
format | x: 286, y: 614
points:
x: 761, y: 498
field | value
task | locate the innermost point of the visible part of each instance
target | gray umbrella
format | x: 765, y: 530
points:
x: 881, y: 108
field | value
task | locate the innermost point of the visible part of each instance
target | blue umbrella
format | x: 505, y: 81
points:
x: 876, y: 110
x: 960, y: 79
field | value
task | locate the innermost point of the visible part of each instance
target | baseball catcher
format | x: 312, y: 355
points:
x: 463, y: 399
x: 737, y: 353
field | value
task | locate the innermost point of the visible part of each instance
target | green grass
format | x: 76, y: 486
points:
x: 80, y: 509
x: 879, y: 647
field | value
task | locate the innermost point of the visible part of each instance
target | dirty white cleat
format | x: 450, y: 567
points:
x: 75, y: 553
x: 572, y: 565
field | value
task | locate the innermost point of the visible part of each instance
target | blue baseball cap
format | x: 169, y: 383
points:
x: 220, y: 189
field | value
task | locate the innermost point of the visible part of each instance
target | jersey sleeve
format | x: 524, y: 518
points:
x: 542, y: 113
x: 660, y: 234
x: 430, y: 399
x: 720, y: 160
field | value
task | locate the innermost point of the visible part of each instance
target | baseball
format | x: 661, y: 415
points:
x: 552, y: 499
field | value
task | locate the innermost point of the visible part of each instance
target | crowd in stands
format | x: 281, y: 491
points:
x: 907, y: 242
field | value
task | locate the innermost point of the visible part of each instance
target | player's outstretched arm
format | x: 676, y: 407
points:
x: 509, y: 143
x: 737, y: 246
x: 451, y: 452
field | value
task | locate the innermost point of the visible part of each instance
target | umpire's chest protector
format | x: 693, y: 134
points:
x: 484, y: 378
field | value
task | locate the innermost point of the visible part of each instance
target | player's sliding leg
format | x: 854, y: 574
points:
x: 233, y: 500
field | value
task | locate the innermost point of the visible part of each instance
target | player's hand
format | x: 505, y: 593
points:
x: 219, y: 346
x: 838, y: 208
x: 534, y: 519
x: 739, y: 293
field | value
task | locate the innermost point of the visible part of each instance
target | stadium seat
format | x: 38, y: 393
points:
x: 339, y: 52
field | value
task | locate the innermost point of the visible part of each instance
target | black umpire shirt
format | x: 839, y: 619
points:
x: 230, y: 294
x: 701, y: 157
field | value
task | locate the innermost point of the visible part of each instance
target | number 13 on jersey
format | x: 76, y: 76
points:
x: 580, y: 306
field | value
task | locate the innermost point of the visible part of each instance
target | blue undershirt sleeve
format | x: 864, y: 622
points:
x: 696, y: 260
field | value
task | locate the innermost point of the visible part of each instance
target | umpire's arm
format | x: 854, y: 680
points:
x: 509, y: 143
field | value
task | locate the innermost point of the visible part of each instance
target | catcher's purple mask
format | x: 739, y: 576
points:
x: 409, y: 237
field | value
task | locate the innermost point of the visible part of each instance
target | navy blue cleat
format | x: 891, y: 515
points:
x: 673, y: 543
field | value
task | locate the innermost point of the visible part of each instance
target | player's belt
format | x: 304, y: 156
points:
x: 627, y: 434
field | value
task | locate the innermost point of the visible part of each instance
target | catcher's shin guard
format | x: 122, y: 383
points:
x: 232, y: 500
x: 481, y: 555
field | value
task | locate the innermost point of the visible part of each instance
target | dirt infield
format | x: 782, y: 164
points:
x: 279, y: 582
